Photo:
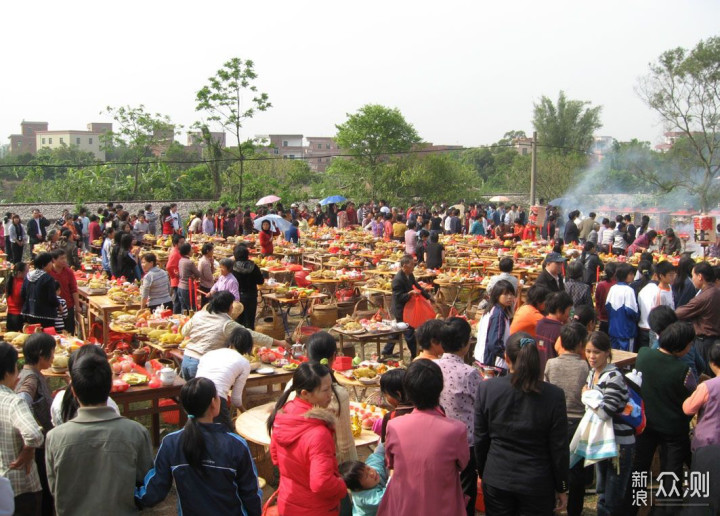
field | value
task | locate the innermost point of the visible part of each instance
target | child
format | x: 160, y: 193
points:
x: 654, y: 294
x: 14, y: 298
x: 367, y: 481
x: 227, y: 281
x: 62, y: 311
x: 622, y: 310
x: 392, y: 389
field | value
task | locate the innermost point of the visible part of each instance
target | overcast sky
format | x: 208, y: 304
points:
x: 460, y: 72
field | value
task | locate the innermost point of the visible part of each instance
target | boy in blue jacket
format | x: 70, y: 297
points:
x: 367, y: 481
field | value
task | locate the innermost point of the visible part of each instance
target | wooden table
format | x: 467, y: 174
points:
x: 623, y: 358
x: 364, y: 338
x: 329, y: 286
x: 354, y: 385
x: 252, y: 426
x: 281, y: 377
x: 285, y: 304
x: 143, y: 393
x: 100, y: 307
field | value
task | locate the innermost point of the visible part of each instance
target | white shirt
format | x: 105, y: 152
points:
x: 227, y: 369
x: 56, y: 407
x: 649, y: 297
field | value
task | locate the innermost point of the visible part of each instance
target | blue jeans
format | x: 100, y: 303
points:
x: 184, y: 298
x: 189, y: 367
x: 611, y: 484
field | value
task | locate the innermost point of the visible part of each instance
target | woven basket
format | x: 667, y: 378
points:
x: 324, y: 316
x: 303, y: 333
x: 270, y: 324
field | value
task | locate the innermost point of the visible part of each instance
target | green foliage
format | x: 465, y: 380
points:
x: 371, y: 136
x: 566, y: 126
x: 140, y: 134
x: 223, y: 100
x: 683, y: 88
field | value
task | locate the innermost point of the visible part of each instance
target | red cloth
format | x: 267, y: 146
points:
x: 68, y: 284
x: 167, y: 226
x: 94, y: 231
x: 266, y: 243
x: 14, y: 300
x: 172, y: 267
x: 303, y: 448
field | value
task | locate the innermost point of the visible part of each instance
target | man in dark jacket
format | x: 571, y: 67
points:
x: 39, y: 292
x: 402, y: 291
x: 551, y: 276
x: 37, y: 227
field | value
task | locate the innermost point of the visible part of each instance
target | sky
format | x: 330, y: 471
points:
x: 462, y: 72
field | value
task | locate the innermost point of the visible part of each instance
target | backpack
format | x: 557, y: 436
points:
x: 634, y: 412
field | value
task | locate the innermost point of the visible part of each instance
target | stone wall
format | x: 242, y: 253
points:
x: 53, y: 210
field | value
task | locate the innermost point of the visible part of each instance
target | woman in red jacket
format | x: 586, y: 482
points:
x: 266, y: 238
x: 14, y: 298
x: 303, y: 447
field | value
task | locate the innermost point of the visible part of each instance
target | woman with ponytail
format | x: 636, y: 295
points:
x: 303, y: 447
x: 521, y: 436
x: 213, y: 470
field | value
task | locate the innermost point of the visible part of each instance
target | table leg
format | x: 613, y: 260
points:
x: 155, y: 424
x: 342, y: 345
x: 106, y: 328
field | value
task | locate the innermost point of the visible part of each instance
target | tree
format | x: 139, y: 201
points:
x: 223, y: 101
x: 683, y: 87
x: 566, y: 126
x: 142, y: 133
x: 370, y: 136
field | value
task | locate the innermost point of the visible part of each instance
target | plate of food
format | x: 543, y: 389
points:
x: 265, y: 370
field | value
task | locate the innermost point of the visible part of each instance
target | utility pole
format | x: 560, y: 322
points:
x: 533, y: 168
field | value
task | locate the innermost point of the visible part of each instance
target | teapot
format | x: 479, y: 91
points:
x: 298, y: 350
x: 167, y: 375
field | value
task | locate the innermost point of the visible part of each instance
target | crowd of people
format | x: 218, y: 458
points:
x: 515, y: 407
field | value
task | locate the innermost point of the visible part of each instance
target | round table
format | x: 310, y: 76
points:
x: 252, y: 426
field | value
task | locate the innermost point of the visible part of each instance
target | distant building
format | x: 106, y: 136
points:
x: 35, y: 135
x: 670, y: 138
x: 289, y: 146
x: 523, y: 146
x: 196, y: 144
x: 85, y: 141
x: 25, y: 142
x: 320, y: 152
x: 601, y: 147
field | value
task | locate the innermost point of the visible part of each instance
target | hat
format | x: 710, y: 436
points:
x: 294, y: 205
x: 554, y: 258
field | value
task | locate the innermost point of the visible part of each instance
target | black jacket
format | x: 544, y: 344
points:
x: 572, y: 233
x: 521, y: 439
x: 37, y: 226
x: 38, y: 293
x: 546, y: 280
x: 248, y: 276
x: 401, y: 285
x: 591, y: 262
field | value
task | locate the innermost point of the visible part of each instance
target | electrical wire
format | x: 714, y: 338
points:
x: 270, y: 157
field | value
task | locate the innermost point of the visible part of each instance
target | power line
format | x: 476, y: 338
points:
x: 270, y: 157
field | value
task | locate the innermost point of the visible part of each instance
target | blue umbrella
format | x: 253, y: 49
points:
x: 275, y: 221
x: 333, y: 199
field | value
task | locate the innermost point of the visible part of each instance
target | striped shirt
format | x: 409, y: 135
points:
x: 19, y: 429
x: 62, y: 313
x: 156, y: 287
x: 615, y: 397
